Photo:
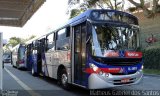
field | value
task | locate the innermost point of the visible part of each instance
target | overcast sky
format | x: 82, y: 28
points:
x: 51, y: 15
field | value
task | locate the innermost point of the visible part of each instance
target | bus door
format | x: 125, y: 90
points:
x: 79, y: 52
x: 29, y: 56
x: 40, y: 50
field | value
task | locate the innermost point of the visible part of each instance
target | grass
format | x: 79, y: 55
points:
x: 153, y: 46
x: 151, y: 71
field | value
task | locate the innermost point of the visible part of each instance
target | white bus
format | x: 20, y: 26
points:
x: 18, y: 56
x: 97, y: 49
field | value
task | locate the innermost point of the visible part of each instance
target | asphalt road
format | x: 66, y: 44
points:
x: 24, y: 84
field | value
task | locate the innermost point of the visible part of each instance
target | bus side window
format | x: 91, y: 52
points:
x: 62, y: 42
x: 68, y: 32
x: 50, y: 41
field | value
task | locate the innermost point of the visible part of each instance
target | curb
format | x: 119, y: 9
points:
x: 151, y: 75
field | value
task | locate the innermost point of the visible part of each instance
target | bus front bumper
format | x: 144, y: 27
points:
x: 22, y: 65
x: 97, y: 81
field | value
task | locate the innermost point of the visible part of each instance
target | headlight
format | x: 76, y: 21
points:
x: 142, y: 67
x: 98, y: 70
x: 94, y: 67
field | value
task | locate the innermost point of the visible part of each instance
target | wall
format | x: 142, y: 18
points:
x: 149, y: 26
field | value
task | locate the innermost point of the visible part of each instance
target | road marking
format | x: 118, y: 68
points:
x: 145, y: 77
x: 27, y: 88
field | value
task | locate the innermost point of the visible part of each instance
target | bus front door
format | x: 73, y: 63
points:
x: 79, y: 54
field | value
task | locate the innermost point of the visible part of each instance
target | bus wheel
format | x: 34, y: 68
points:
x: 13, y: 66
x: 64, y: 79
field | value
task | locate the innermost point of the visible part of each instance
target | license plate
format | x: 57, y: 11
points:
x: 125, y: 80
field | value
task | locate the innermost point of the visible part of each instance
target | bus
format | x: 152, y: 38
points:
x: 97, y: 49
x: 18, y: 56
x: 38, y: 48
x: 30, y: 57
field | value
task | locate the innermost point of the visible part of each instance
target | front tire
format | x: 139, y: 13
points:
x: 64, y: 79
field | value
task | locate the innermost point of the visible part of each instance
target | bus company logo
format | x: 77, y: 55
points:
x: 123, y: 70
x: 121, y: 53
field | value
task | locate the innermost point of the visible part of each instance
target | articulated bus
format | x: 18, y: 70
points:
x: 97, y: 49
x: 18, y: 56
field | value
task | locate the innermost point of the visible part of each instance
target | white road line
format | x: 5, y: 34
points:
x: 27, y: 88
x: 145, y: 77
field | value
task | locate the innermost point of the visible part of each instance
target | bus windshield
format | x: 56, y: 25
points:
x: 108, y: 38
x: 21, y: 52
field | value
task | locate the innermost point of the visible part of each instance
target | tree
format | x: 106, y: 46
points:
x: 147, y: 12
x: 74, y: 12
x: 109, y: 4
x: 13, y: 41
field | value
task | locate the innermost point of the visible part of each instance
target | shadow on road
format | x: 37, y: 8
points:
x: 79, y: 91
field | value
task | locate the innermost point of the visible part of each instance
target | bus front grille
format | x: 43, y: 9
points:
x: 123, y: 73
x: 118, y: 61
x: 118, y: 82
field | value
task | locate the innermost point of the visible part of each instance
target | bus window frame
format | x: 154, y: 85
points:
x: 52, y: 41
x: 67, y: 36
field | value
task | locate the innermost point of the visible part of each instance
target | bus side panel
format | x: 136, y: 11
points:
x: 49, y: 65
x: 45, y: 62
x: 14, y: 59
x: 62, y: 57
x: 52, y: 60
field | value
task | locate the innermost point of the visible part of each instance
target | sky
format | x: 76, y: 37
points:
x: 51, y: 15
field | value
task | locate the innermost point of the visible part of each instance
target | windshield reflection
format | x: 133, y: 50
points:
x: 109, y: 38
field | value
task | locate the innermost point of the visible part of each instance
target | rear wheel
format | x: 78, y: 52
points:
x: 13, y: 66
x: 64, y: 79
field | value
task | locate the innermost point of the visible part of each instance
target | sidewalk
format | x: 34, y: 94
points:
x: 10, y: 86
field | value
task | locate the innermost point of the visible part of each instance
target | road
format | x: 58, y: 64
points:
x: 24, y: 84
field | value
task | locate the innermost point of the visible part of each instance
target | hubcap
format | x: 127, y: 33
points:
x: 64, y: 79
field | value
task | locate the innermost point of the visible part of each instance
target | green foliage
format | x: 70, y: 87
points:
x: 152, y: 58
x: 148, y: 12
x: 13, y: 41
x: 74, y: 12
x: 87, y: 4
x: 151, y: 71
x: 132, y: 9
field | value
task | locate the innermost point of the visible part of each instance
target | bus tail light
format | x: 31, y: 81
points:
x: 21, y: 62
